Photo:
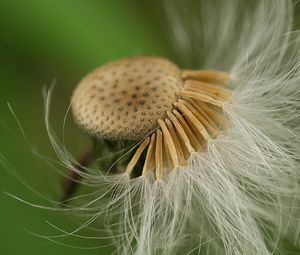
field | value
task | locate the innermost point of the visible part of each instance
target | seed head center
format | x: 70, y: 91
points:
x: 124, y: 99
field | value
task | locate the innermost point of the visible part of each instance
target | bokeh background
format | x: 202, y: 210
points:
x: 42, y: 42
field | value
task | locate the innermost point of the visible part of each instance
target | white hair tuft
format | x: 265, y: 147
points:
x: 241, y: 194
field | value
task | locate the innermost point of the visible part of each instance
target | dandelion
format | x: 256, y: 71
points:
x: 202, y: 160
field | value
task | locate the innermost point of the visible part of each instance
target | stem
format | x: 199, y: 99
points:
x: 72, y: 181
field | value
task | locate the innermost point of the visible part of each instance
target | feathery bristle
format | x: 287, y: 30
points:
x: 220, y: 165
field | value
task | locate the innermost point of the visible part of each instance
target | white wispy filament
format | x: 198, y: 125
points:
x: 241, y: 195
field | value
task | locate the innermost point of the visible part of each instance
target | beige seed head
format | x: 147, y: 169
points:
x: 131, y: 98
x: 124, y: 99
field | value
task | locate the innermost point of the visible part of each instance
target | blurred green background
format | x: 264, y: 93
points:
x: 62, y: 40
x: 43, y: 41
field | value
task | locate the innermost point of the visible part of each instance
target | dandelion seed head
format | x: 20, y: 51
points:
x: 132, y: 98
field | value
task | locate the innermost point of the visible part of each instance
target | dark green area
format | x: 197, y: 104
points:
x: 43, y: 41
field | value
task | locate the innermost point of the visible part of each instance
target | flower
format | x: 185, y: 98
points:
x: 240, y: 195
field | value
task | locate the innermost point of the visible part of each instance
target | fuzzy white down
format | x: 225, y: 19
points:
x: 240, y: 196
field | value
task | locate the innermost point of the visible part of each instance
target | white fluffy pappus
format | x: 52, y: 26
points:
x: 241, y: 195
